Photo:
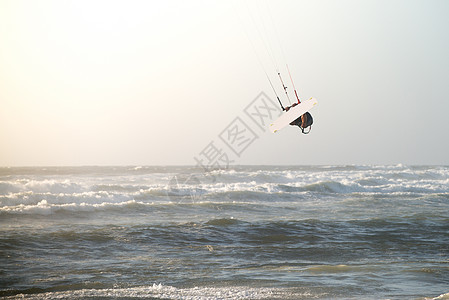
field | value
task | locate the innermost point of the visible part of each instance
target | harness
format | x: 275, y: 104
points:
x: 309, y: 122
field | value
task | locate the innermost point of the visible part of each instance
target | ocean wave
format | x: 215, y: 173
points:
x: 222, y: 222
x: 239, y: 179
x: 126, y: 207
x: 121, y: 188
x: 243, y: 193
x: 440, y: 297
x: 330, y: 269
x: 45, y: 208
x: 159, y: 291
x: 264, y: 185
x: 240, y: 190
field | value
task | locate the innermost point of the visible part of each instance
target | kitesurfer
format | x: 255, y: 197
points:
x: 303, y: 121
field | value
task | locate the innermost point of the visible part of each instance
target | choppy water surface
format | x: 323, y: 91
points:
x: 369, y: 232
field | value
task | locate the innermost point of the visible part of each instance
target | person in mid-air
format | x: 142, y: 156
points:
x: 303, y: 121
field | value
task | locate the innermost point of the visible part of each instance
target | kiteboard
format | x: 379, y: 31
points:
x: 292, y: 114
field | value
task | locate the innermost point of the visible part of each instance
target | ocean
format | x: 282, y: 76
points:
x: 247, y: 232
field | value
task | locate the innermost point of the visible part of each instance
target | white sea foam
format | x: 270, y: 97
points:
x: 441, y: 297
x: 169, y: 292
x: 84, y: 192
x: 45, y: 208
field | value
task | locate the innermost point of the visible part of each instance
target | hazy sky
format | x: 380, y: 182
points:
x: 162, y: 82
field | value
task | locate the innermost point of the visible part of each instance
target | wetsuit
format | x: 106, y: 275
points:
x: 308, y: 121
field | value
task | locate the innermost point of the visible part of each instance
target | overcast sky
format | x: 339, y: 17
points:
x: 169, y: 82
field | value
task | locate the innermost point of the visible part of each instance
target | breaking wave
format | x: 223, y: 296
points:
x: 47, y: 194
